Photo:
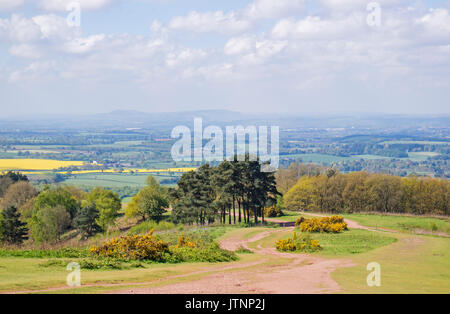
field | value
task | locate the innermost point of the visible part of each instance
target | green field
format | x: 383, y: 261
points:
x: 415, y: 142
x: 402, y: 223
x: 112, y: 180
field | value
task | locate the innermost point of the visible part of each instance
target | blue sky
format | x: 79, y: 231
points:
x: 298, y: 56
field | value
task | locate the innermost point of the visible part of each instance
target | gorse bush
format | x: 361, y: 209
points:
x: 174, y: 248
x: 185, y: 242
x: 333, y: 224
x: 137, y: 247
x: 304, y: 243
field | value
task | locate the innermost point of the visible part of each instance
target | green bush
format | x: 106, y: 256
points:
x: 94, y: 264
x: 58, y: 253
x: 243, y: 250
x: 146, y: 226
x: 211, y: 253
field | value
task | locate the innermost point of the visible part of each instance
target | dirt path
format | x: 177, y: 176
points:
x: 302, y: 274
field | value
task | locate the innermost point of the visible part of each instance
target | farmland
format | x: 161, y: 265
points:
x: 36, y: 164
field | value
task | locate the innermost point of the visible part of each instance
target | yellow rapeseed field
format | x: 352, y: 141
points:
x: 35, y: 164
x: 129, y: 170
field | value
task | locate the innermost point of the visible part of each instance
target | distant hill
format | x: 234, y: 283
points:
x: 130, y: 119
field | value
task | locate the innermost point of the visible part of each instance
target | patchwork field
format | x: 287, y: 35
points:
x: 35, y: 164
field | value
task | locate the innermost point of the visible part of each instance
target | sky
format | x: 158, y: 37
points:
x: 261, y: 56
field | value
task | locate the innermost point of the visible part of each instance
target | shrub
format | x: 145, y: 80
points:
x: 137, y: 247
x: 273, y: 211
x: 333, y: 224
x: 295, y: 243
x: 198, y: 246
x: 66, y: 252
x: 185, y: 242
x: 146, y: 226
x: 94, y: 264
x: 243, y: 250
x: 211, y: 253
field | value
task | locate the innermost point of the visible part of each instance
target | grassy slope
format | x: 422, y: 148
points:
x: 414, y: 264
x: 26, y: 274
x: 401, y: 223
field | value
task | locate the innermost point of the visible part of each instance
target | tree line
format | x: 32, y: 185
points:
x: 48, y: 214
x: 334, y: 192
x: 233, y: 192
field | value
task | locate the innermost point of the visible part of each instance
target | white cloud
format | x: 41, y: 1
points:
x: 261, y: 9
x: 301, y: 53
x: 210, y: 22
x: 55, y: 27
x: 253, y: 51
x: 25, y: 51
x: 6, y: 5
x: 360, y: 5
x: 314, y: 27
x: 436, y: 24
x: 19, y: 29
x: 36, y: 70
x: 61, y: 5
x: 237, y: 21
x: 184, y: 57
x: 82, y: 45
x: 238, y: 45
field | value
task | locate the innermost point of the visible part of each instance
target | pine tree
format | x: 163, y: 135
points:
x: 13, y: 230
x: 86, y: 221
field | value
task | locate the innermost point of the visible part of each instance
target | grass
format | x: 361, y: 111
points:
x: 354, y: 241
x: 414, y: 264
x: 409, y: 263
x: 28, y: 274
x: 288, y: 216
x: 58, y: 253
x: 146, y: 226
x: 345, y: 244
x: 402, y: 223
x: 112, y: 180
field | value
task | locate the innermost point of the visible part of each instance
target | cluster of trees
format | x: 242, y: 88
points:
x: 46, y: 215
x: 150, y: 202
x: 363, y: 192
x: 237, y: 189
